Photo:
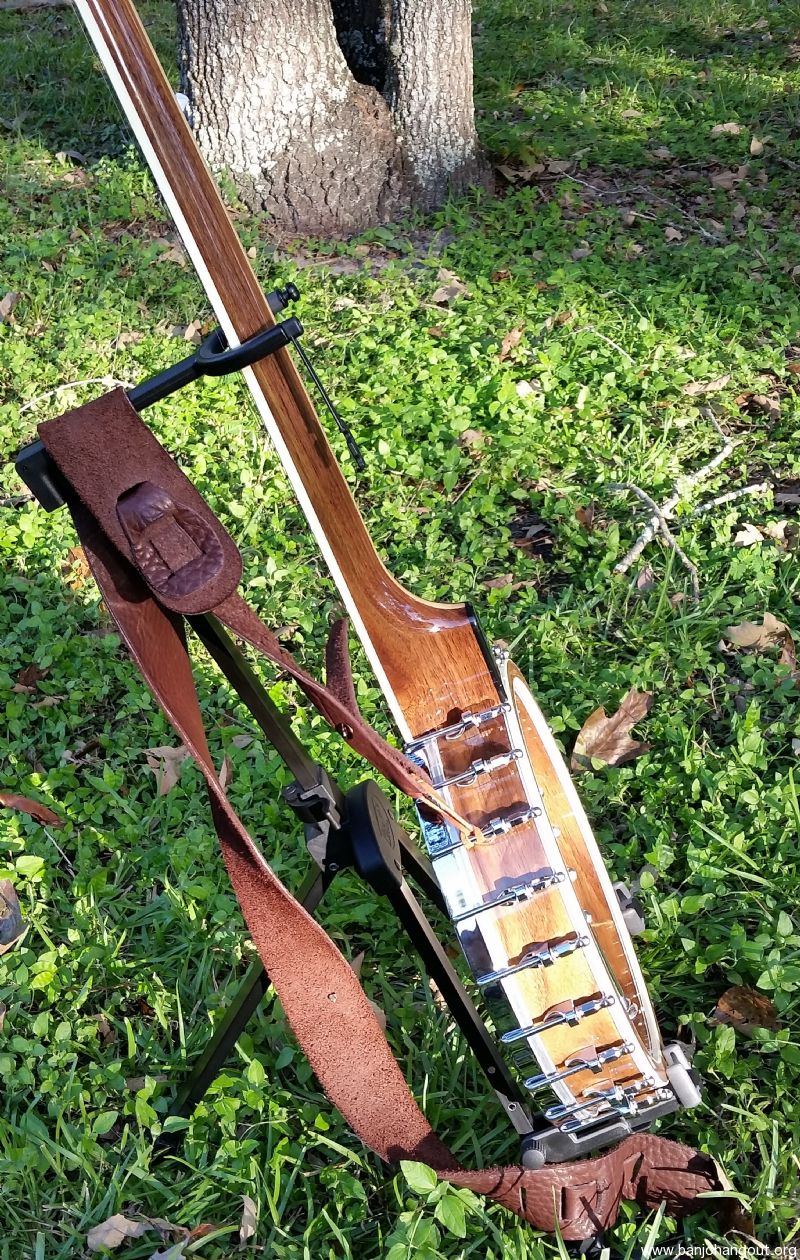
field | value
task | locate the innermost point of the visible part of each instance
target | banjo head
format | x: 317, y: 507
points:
x: 540, y: 923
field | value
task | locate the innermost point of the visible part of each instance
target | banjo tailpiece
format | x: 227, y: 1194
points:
x: 543, y: 929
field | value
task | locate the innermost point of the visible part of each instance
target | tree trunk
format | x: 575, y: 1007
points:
x: 332, y: 115
x: 429, y: 89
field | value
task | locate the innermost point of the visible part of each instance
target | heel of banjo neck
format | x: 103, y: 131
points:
x: 543, y: 928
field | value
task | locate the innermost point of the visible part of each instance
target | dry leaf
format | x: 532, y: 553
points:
x: 247, y: 1228
x: 105, y: 1032
x: 166, y: 762
x: 582, y: 251
x: 75, y: 568
x: 695, y: 389
x: 749, y: 634
x: 27, y: 679
x: 768, y: 404
x: 559, y: 166
x: 113, y: 1232
x: 242, y: 741
x: 25, y: 805
x: 748, y: 536
x: 726, y: 180
x: 125, y: 339
x: 12, y: 924
x: 585, y: 515
x: 746, y: 1010
x: 672, y: 234
x: 498, y: 583
x: 662, y: 153
x: 796, y: 747
x: 173, y: 252
x: 3, y: 1013
x: 7, y: 304
x: 511, y: 339
x: 607, y: 739
x: 474, y: 437
x: 725, y: 129
x: 784, y: 533
x: 225, y: 772
x: 526, y: 389
x: 645, y: 579
x: 756, y: 147
x: 449, y: 289
x: 631, y: 113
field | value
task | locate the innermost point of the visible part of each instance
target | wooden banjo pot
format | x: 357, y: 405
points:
x: 538, y: 918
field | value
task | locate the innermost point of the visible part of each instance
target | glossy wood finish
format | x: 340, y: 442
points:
x: 428, y: 657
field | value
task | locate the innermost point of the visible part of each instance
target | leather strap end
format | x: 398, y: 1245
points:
x: 144, y: 503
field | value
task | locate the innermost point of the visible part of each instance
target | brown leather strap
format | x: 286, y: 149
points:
x: 323, y: 1000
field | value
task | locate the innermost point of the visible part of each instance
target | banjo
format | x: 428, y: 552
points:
x: 543, y: 929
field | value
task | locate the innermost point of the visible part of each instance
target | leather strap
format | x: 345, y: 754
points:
x: 321, y: 996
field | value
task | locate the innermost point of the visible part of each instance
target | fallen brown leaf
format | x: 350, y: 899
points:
x: 662, y: 153
x: 113, y: 1232
x: 746, y: 1010
x: 7, y: 304
x: 450, y: 288
x: 607, y: 739
x: 768, y: 404
x: 474, y: 437
x: 247, y: 1228
x: 585, y: 515
x: 3, y: 1013
x: 672, y: 234
x: 725, y: 129
x: 12, y: 924
x: 696, y: 389
x: 75, y: 568
x: 497, y: 583
x: 28, y: 677
x: 756, y: 147
x: 748, y: 536
x: 751, y: 634
x: 225, y: 772
x: 511, y: 339
x: 105, y: 1032
x: 166, y: 762
x: 35, y: 809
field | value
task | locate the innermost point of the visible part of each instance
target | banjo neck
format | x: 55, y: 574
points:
x: 395, y: 627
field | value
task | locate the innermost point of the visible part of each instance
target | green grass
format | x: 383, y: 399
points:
x: 131, y: 916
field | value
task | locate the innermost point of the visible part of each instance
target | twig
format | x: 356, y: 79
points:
x: 648, y: 192
x: 758, y: 487
x: 110, y: 382
x: 630, y: 488
x: 682, y: 486
x: 588, y: 328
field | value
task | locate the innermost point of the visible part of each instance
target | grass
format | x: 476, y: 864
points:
x: 134, y: 934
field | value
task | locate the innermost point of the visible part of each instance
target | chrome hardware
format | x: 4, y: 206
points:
x: 571, y: 1017
x: 484, y: 765
x: 520, y: 892
x: 499, y: 826
x: 467, y: 722
x: 613, y: 1092
x: 576, y: 1064
x: 536, y: 958
x: 624, y: 1103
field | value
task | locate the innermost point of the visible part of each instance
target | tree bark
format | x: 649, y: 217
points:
x: 429, y: 89
x: 285, y: 99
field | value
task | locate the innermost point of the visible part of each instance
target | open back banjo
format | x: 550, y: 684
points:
x: 541, y: 925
